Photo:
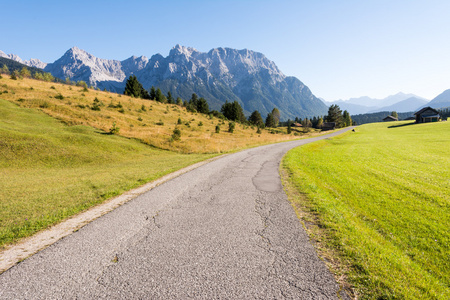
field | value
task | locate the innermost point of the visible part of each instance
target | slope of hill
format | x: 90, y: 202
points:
x: 407, y: 105
x: 362, y: 105
x: 50, y: 171
x: 221, y: 74
x: 440, y: 101
x: 14, y: 65
x: 149, y: 121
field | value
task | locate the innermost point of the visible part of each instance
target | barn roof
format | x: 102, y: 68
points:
x: 425, y: 109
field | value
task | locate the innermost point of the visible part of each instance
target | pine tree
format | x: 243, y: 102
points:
x: 335, y: 115
x: 256, y: 119
x: 134, y: 88
x: 152, y: 93
x: 170, y: 99
x: 270, y: 120
x: 233, y: 111
x: 202, y: 106
x: 160, y: 96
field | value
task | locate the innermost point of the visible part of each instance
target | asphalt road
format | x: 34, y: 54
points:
x: 222, y: 231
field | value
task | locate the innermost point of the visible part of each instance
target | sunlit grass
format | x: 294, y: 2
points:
x: 149, y: 121
x: 382, y: 198
x: 50, y: 171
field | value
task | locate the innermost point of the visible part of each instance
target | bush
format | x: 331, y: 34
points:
x: 179, y: 121
x: 231, y: 127
x: 217, y: 128
x: 114, y: 129
x: 59, y: 96
x: 140, y: 119
x: 176, y: 136
x: 258, y: 131
x: 200, y: 123
x: 160, y: 122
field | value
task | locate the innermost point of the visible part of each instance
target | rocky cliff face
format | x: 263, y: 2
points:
x: 228, y: 74
x: 220, y: 75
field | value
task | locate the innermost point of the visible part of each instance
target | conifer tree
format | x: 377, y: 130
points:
x: 134, y: 88
x: 202, y: 106
x: 170, y: 99
x: 270, y: 120
x: 152, y: 93
x: 256, y: 119
x: 335, y: 115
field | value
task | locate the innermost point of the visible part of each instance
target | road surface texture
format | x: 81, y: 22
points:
x: 222, y: 231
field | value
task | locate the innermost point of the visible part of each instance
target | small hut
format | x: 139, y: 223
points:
x: 390, y: 119
x: 427, y: 114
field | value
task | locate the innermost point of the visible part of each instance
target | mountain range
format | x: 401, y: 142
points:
x: 220, y: 75
x: 399, y: 102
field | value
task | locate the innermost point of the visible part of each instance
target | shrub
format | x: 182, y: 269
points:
x: 258, y: 131
x: 176, y: 136
x: 96, y: 104
x: 44, y: 105
x: 143, y: 108
x: 217, y: 128
x: 139, y: 119
x: 231, y: 127
x: 53, y: 87
x: 114, y: 129
x: 160, y: 122
x: 200, y: 123
x: 59, y: 96
x: 121, y: 110
x: 179, y: 121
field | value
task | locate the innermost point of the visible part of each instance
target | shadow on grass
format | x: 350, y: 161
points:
x: 402, y: 125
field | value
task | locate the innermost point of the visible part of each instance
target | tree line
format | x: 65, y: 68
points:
x: 231, y: 111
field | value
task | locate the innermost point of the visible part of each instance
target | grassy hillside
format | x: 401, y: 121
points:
x: 52, y: 168
x: 50, y: 171
x: 380, y: 201
x: 149, y: 121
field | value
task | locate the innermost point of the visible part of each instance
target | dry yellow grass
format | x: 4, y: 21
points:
x: 154, y: 126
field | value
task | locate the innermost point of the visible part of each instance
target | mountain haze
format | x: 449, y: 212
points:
x: 399, y: 102
x: 441, y: 101
x: 220, y: 75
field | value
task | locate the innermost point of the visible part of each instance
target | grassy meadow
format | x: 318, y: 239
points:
x: 50, y: 171
x: 377, y: 203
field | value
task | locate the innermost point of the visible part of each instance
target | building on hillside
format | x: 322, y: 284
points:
x: 390, y: 119
x: 427, y: 114
x: 329, y: 126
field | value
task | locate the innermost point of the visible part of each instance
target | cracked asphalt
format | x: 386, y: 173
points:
x: 222, y: 231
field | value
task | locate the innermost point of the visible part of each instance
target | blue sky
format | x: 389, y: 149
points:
x: 340, y: 49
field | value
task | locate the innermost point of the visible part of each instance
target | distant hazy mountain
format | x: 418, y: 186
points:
x: 399, y: 102
x: 222, y: 74
x: 407, y: 105
x: 440, y: 101
x: 30, y: 63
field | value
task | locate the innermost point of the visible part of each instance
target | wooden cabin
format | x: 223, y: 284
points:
x: 427, y: 114
x: 390, y: 119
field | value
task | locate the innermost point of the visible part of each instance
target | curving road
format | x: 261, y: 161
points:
x: 222, y: 231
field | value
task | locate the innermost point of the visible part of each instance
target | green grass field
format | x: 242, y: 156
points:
x: 380, y: 199
x: 50, y: 171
